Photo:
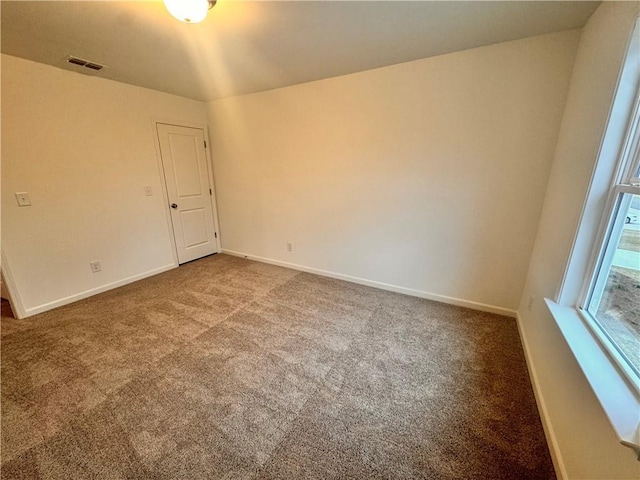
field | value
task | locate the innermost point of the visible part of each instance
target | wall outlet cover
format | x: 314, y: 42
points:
x: 23, y: 199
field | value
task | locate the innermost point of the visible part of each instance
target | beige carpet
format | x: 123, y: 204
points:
x: 231, y: 369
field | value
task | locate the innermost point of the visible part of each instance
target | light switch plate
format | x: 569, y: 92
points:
x: 23, y: 199
x: 148, y: 191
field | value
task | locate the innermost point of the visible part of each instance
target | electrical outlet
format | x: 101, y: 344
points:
x: 289, y: 247
x: 530, y: 304
x: 95, y: 266
x: 23, y: 199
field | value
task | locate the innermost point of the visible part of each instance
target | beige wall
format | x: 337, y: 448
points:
x: 427, y: 175
x: 83, y: 148
x: 586, y: 443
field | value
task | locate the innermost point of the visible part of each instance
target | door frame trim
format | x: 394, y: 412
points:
x: 15, y: 300
x: 155, y: 121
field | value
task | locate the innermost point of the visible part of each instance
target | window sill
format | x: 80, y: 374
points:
x: 614, y: 392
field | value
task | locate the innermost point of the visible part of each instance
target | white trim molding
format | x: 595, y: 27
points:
x: 543, y: 411
x: 383, y: 286
x: 94, y: 291
x: 14, y: 294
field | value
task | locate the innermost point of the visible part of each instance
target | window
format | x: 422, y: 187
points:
x: 597, y: 305
x: 612, y: 297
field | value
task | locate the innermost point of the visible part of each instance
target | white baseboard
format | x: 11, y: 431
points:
x: 549, y: 433
x: 384, y: 286
x: 94, y: 291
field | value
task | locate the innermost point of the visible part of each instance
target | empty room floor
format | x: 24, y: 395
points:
x: 227, y: 368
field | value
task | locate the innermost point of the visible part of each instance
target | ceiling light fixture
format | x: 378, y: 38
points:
x: 189, y: 11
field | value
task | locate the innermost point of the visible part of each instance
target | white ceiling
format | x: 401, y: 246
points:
x: 251, y: 46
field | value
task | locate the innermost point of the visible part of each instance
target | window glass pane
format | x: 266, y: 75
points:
x: 615, y: 303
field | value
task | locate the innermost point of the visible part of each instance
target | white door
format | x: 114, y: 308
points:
x: 189, y: 191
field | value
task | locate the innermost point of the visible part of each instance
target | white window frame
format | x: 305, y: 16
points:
x: 607, y: 239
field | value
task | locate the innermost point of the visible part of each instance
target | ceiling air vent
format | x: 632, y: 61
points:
x: 84, y: 63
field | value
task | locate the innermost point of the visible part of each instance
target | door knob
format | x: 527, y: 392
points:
x: 173, y: 205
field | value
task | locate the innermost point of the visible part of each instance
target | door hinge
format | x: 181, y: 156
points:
x: 216, y: 234
x: 210, y: 192
x: 205, y: 144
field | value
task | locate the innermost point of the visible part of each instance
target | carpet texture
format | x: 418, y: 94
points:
x: 230, y: 369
